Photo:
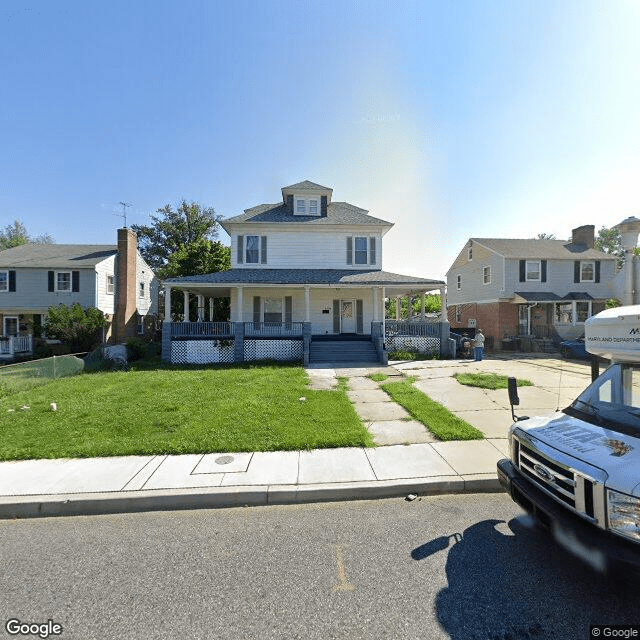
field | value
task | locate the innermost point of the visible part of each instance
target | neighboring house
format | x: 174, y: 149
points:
x: 543, y: 289
x: 113, y: 278
x: 305, y: 267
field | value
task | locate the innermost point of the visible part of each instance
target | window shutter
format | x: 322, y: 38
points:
x: 263, y: 249
x: 349, y: 250
x: 75, y: 281
x: 372, y: 250
x: 12, y: 280
x: 323, y: 206
x: 288, y: 309
x: 336, y: 316
x: 240, y: 253
x: 523, y: 270
x: 359, y: 317
x: 256, y: 308
x: 597, y: 270
x: 51, y: 277
x: 543, y: 270
x: 576, y: 271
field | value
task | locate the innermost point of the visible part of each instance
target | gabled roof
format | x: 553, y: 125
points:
x: 337, y: 213
x: 56, y: 256
x: 306, y: 185
x: 541, y: 249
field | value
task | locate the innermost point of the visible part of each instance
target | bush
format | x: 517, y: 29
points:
x: 75, y: 326
x: 136, y: 349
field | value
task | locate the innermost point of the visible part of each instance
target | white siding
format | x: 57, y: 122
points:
x: 105, y: 301
x: 149, y: 303
x: 306, y: 249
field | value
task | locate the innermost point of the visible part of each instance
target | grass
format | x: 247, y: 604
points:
x: 487, y: 380
x: 171, y: 410
x: 35, y: 373
x: 378, y: 377
x: 440, y: 421
x: 405, y: 354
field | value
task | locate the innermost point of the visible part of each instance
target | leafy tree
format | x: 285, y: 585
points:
x: 75, y: 326
x: 16, y: 234
x: 432, y: 304
x: 201, y: 256
x: 171, y: 230
x: 608, y: 241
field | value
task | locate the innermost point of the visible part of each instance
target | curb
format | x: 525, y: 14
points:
x: 34, y: 506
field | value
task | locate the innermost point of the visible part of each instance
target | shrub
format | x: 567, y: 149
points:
x: 136, y: 349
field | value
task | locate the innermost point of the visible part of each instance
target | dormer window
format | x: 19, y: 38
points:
x: 307, y: 206
x: 301, y: 207
x: 313, y: 207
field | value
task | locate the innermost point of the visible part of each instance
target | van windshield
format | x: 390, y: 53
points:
x: 612, y: 401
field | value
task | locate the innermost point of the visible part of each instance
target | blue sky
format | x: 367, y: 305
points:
x: 450, y: 119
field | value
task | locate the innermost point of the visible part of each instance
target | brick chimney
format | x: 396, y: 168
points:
x: 125, y: 320
x: 584, y: 235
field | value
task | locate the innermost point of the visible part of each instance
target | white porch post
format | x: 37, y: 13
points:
x: 384, y: 314
x: 210, y: 309
x: 186, y: 306
x: 422, y: 309
x: 398, y: 308
x: 374, y: 297
x: 409, y: 307
x: 574, y: 313
x: 239, y: 305
x: 200, y: 308
x: 167, y: 304
x: 307, y: 304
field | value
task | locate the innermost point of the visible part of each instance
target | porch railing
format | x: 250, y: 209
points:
x: 395, y: 328
x: 272, y: 329
x: 201, y: 329
x: 16, y: 344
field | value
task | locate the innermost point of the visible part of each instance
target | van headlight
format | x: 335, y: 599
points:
x: 624, y: 514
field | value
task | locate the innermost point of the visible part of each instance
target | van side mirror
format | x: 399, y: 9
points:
x: 514, y: 400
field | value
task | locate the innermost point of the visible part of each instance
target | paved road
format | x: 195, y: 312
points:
x: 461, y: 567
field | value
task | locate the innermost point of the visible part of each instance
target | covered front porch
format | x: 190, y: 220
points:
x: 280, y: 320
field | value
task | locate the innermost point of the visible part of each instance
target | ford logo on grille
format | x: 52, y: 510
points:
x: 544, y: 473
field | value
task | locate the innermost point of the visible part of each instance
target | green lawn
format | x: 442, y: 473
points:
x: 171, y: 410
x: 439, y: 420
x: 487, y: 380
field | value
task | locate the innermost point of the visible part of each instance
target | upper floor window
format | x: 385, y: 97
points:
x: 63, y: 281
x: 110, y: 284
x: 459, y: 283
x: 587, y: 271
x: 141, y: 290
x: 486, y: 275
x: 533, y: 270
x: 4, y: 281
x: 361, y: 250
x: 251, y: 250
x: 313, y: 207
x: 470, y: 253
x: 307, y: 206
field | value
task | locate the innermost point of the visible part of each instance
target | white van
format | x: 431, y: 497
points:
x: 578, y: 471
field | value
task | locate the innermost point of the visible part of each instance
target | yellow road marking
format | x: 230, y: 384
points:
x: 343, y: 583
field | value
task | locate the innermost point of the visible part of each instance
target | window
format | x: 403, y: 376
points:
x: 459, y: 283
x: 313, y: 207
x: 583, y: 311
x: 253, y: 250
x: 110, y: 284
x: 361, y: 250
x: 470, y: 254
x: 533, y: 270
x: 564, y: 313
x: 63, y: 281
x: 587, y: 271
x: 304, y: 207
x: 273, y: 309
x: 4, y: 281
x: 458, y: 313
x: 486, y: 275
x: 141, y: 290
x: 301, y: 207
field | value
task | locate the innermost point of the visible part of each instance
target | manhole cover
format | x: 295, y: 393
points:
x: 224, y: 460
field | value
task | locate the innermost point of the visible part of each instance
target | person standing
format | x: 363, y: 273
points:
x: 478, y: 349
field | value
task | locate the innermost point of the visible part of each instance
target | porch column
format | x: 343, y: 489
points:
x: 186, y: 306
x: 409, y: 307
x: 239, y: 305
x: 422, y: 313
x: 200, y: 308
x: 574, y: 313
x: 167, y: 303
x: 443, y: 304
x: 398, y: 308
x: 307, y: 304
x: 374, y: 297
x: 210, y: 309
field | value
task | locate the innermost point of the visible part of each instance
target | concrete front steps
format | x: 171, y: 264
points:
x: 345, y: 350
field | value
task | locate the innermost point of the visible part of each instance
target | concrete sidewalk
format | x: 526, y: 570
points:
x: 409, y: 459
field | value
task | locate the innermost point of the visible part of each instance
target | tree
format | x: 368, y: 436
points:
x: 201, y: 256
x: 16, y: 234
x: 75, y: 326
x: 608, y: 241
x: 432, y: 304
x: 171, y: 230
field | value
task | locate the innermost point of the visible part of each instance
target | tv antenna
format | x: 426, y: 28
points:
x: 124, y: 212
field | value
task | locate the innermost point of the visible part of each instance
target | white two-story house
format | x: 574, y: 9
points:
x: 305, y: 267
x: 113, y: 278
x: 529, y: 288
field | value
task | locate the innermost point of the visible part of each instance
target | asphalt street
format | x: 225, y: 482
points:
x: 462, y: 567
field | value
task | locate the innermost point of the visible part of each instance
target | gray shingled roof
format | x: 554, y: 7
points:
x: 304, y: 276
x: 57, y: 256
x: 306, y: 185
x: 541, y: 249
x: 540, y: 296
x: 337, y: 213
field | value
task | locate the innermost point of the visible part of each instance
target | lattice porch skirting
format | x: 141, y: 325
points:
x: 421, y: 344
x: 201, y: 351
x: 285, y: 350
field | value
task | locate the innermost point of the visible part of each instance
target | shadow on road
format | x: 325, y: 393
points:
x: 518, y: 585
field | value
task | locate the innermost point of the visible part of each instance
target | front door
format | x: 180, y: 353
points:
x: 347, y: 316
x: 10, y: 326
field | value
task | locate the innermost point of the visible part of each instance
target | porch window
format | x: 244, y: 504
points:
x: 486, y: 275
x: 533, y: 271
x: 4, y: 281
x: 583, y: 311
x: 564, y: 313
x: 273, y: 309
x: 63, y: 281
